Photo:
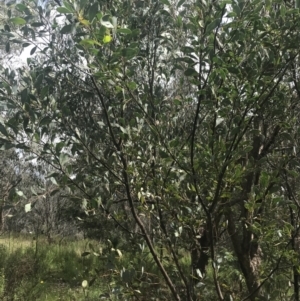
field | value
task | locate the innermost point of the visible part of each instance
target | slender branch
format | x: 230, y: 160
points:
x: 105, y: 112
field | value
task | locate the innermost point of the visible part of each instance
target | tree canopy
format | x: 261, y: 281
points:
x: 176, y: 120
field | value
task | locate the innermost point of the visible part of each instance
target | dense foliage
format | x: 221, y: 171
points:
x: 174, y: 124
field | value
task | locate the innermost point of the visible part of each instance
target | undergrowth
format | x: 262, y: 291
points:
x: 34, y: 270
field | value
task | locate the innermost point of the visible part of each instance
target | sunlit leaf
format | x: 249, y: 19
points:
x: 63, y: 10
x: 28, y: 207
x: 107, y: 39
x: 63, y: 159
x: 84, y: 284
x: 87, y: 42
x: 83, y: 21
x: 107, y: 24
x: 18, y: 21
x: 21, y: 194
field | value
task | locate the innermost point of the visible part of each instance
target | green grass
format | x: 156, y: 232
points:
x: 34, y: 270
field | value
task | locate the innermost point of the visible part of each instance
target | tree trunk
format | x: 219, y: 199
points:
x: 1, y: 217
x: 200, y: 254
x: 249, y: 255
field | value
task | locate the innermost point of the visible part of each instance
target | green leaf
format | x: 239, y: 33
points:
x: 33, y: 191
x: 17, y: 41
x: 66, y: 29
x: 233, y: 70
x: 129, y: 53
x: 39, y: 80
x: 13, y: 124
x: 99, y: 16
x: 28, y: 131
x: 52, y: 174
x: 53, y: 180
x: 91, y: 247
x: 93, y: 11
x: 190, y: 72
x: 87, y: 42
x: 37, y: 24
x: 18, y: 21
x: 68, y: 5
x: 163, y: 154
x: 21, y: 7
x: 63, y: 159
x: 214, y: 24
x: 131, y: 85
x: 180, y: 3
x: 44, y: 92
x: 3, y: 130
x: 63, y: 10
x: 166, y: 2
x: 124, y: 30
x: 188, y: 50
x: 32, y: 51
x: 174, y: 143
x: 45, y: 121
x: 25, y: 122
x: 59, y: 146
x: 236, y: 9
x: 25, y: 45
x: 24, y: 95
x: 248, y: 148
